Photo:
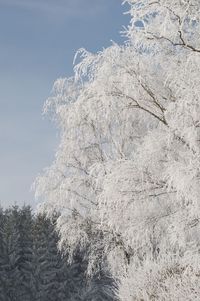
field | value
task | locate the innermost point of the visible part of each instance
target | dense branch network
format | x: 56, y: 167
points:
x: 128, y: 160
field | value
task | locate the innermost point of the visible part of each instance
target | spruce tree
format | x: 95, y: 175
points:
x: 100, y: 288
x: 47, y: 260
x: 13, y: 277
x: 25, y: 263
x: 3, y: 257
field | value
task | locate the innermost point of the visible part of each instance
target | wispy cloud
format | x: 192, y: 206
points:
x: 66, y: 7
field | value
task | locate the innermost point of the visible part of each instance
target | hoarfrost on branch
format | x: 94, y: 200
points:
x: 127, y: 170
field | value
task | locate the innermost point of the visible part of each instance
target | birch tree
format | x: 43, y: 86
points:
x: 127, y: 169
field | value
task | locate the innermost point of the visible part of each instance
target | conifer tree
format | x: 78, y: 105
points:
x: 3, y: 257
x: 101, y: 287
x: 13, y: 277
x: 32, y: 268
x: 25, y: 263
x: 47, y: 260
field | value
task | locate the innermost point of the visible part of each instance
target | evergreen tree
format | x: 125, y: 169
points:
x: 100, y: 288
x: 13, y: 277
x: 33, y: 269
x: 71, y: 280
x: 16, y: 254
x: 47, y: 260
x: 25, y: 263
x: 3, y: 257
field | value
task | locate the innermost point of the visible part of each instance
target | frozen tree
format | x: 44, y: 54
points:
x: 127, y: 169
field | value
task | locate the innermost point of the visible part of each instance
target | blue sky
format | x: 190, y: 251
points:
x: 38, y: 40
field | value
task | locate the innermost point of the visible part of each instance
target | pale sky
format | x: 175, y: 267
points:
x: 38, y: 40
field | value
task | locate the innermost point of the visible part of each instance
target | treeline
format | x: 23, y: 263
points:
x: 33, y: 269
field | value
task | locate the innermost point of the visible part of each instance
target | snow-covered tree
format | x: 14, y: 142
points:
x: 127, y: 170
